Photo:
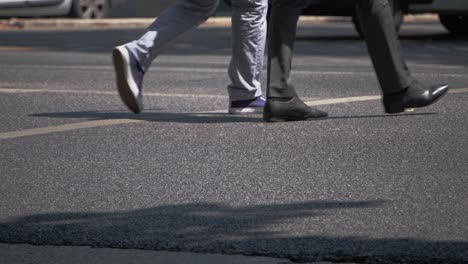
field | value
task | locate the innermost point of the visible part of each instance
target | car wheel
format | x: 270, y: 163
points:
x: 397, y: 13
x: 89, y: 9
x: 456, y: 24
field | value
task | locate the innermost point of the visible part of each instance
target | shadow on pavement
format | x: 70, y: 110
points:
x: 382, y: 116
x: 103, y: 41
x: 425, y: 37
x: 201, y: 118
x: 321, y: 41
x: 158, y: 117
x: 220, y: 228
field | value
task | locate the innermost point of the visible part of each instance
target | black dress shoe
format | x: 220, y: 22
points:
x: 289, y: 109
x: 417, y: 95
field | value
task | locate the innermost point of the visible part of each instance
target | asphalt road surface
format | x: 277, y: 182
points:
x: 78, y: 169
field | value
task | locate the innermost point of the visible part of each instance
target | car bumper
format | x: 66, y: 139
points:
x: 60, y: 9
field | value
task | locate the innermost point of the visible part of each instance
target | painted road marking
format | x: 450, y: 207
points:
x: 343, y: 100
x: 460, y: 90
x: 67, y: 127
x: 94, y: 92
x: 15, y: 48
x: 223, y: 70
x: 111, y: 122
x: 354, y: 99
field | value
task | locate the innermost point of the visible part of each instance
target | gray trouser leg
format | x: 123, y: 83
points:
x: 248, y: 48
x: 177, y: 19
x: 383, y: 45
x: 282, y: 34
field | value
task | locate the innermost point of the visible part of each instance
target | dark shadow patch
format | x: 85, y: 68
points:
x: 220, y: 228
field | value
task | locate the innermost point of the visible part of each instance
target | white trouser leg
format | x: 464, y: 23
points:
x: 175, y: 20
x: 249, y: 28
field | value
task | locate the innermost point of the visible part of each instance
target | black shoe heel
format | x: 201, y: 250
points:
x: 267, y: 118
x: 417, y: 95
x: 393, y: 104
x: 289, y: 109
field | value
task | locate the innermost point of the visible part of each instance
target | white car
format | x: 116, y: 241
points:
x: 48, y: 8
x: 453, y: 14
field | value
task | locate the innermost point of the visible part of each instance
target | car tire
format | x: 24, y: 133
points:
x: 455, y: 24
x: 397, y: 13
x: 89, y: 9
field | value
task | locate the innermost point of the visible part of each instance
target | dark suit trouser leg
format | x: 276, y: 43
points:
x: 381, y: 38
x: 383, y: 45
x: 282, y: 34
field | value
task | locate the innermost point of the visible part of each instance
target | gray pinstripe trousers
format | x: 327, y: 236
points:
x: 248, y: 39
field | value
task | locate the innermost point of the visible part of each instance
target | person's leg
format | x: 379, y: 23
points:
x: 282, y: 35
x: 133, y: 59
x: 383, y: 45
x: 283, y: 103
x: 249, y: 28
x: 179, y: 18
x: 400, y: 89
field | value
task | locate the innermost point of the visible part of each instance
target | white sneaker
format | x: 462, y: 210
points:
x: 250, y: 106
x: 129, y: 78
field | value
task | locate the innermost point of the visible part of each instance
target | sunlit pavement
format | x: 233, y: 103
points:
x: 78, y: 169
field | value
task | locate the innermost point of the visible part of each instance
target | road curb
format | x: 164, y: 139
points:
x: 110, y: 23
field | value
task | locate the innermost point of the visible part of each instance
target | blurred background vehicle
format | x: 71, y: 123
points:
x: 453, y: 13
x: 88, y: 9
x: 47, y: 8
x: 346, y: 8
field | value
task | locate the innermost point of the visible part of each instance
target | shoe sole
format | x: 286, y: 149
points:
x: 123, y: 77
x: 398, y: 107
x: 244, y: 111
x: 280, y: 119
